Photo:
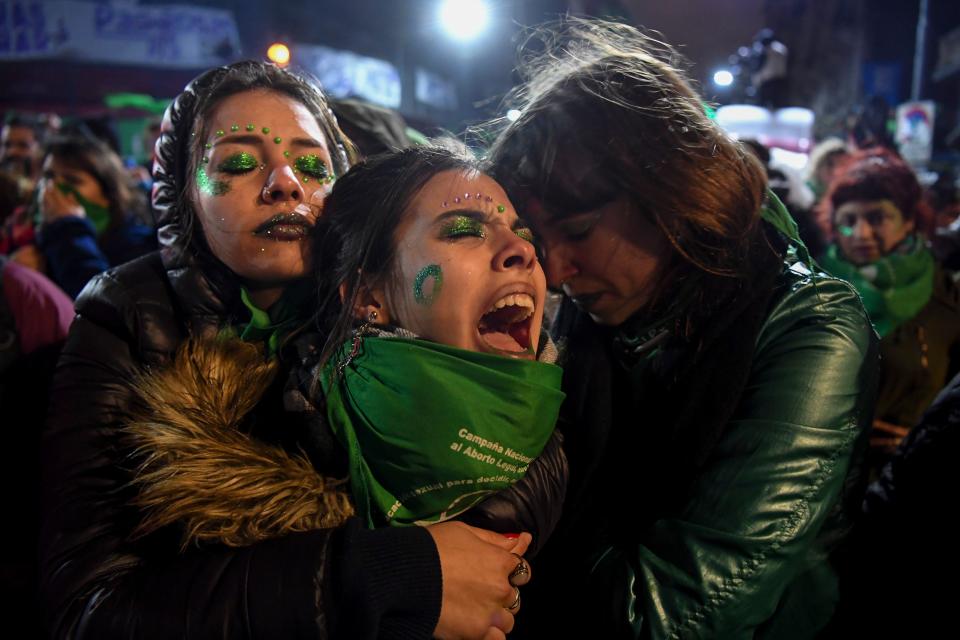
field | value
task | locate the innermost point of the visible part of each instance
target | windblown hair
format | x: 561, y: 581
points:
x: 355, y: 239
x: 606, y: 113
x: 250, y: 75
x: 90, y: 155
x: 198, y: 468
x: 875, y: 174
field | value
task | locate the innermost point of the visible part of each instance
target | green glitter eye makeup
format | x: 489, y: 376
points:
x: 311, y: 165
x: 239, y: 163
x: 524, y: 234
x: 463, y: 226
x: 250, y: 127
x: 429, y: 272
x: 234, y: 127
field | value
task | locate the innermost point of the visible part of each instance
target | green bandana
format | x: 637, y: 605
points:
x: 283, y: 316
x: 97, y: 215
x: 894, y: 288
x: 432, y: 430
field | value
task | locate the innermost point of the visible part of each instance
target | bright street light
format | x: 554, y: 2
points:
x: 279, y: 53
x: 723, y: 78
x: 464, y: 19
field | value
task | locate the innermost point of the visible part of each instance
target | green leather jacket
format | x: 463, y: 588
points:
x: 745, y: 555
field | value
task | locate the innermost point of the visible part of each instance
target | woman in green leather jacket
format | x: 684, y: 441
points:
x: 718, y: 391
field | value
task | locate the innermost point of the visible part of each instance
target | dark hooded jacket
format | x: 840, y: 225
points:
x: 99, y: 579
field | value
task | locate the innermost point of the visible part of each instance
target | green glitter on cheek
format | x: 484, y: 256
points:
x: 234, y: 127
x: 286, y: 154
x: 429, y: 271
x: 210, y: 187
x: 501, y: 208
x: 250, y: 127
x: 277, y: 140
x: 265, y: 129
x: 846, y: 231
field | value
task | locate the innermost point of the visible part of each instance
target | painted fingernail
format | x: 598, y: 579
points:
x: 511, y: 536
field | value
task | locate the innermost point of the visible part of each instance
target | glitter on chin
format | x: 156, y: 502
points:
x: 429, y: 271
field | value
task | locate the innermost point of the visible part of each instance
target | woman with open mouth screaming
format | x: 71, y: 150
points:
x: 436, y: 377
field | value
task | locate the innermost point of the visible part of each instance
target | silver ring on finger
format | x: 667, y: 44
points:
x: 516, y: 601
x: 522, y: 569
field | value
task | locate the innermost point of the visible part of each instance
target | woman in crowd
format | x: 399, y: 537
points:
x: 875, y: 214
x: 244, y: 163
x: 717, y: 390
x: 442, y: 278
x: 91, y: 216
x: 429, y: 396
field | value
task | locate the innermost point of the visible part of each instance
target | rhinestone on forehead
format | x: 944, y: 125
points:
x: 475, y: 196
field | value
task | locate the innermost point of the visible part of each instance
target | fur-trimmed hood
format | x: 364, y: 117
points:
x: 198, y: 468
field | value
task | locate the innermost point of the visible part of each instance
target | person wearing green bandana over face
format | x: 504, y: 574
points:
x: 91, y: 218
x: 875, y: 213
x: 719, y: 388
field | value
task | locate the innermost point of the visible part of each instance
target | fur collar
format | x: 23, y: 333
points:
x: 196, y: 467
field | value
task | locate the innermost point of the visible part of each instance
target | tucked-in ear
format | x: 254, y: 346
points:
x: 368, y: 300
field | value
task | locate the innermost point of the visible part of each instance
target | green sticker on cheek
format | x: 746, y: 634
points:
x: 430, y: 271
x: 210, y: 187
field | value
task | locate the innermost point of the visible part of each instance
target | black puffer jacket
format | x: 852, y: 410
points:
x: 98, y: 582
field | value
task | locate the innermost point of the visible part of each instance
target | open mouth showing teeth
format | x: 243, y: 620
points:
x: 506, y: 324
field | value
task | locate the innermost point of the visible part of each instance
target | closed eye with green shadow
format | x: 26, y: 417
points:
x: 524, y: 233
x: 237, y: 163
x: 313, y: 166
x: 462, y: 227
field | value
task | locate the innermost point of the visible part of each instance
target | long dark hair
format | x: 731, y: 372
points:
x: 605, y: 112
x: 91, y: 156
x: 354, y: 241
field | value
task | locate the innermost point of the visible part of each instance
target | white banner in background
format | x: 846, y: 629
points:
x: 345, y: 74
x: 123, y: 33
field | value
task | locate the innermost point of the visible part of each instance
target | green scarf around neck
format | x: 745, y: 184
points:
x: 895, y: 288
x: 274, y: 324
x: 432, y: 430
